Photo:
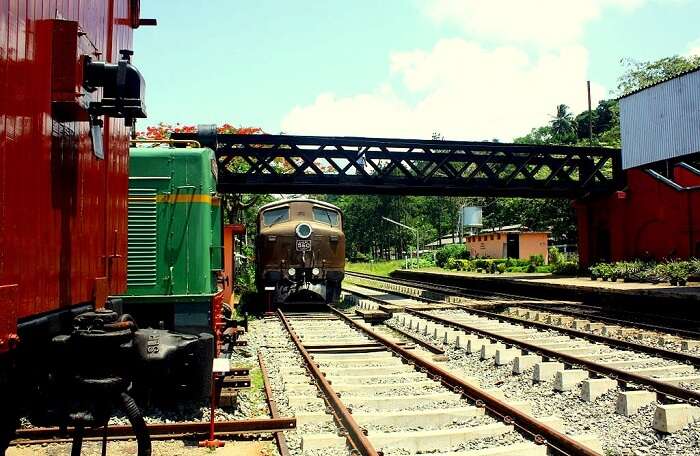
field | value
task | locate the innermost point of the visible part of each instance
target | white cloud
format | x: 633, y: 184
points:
x: 463, y: 90
x: 544, y: 23
x: 694, y: 48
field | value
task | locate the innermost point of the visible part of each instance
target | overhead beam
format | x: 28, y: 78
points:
x: 353, y: 165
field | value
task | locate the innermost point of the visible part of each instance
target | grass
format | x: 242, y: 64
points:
x: 381, y: 268
x: 256, y: 379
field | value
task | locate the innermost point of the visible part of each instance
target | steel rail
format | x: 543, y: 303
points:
x: 427, y: 345
x: 540, y: 432
x: 355, y: 435
x: 469, y: 293
x: 165, y: 430
x: 280, y: 440
x: 592, y: 314
x: 612, y: 341
x: 618, y: 374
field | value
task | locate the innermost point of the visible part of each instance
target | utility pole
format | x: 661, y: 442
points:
x: 590, y: 116
x: 408, y: 228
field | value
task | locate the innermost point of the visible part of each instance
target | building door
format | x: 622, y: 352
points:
x: 513, y: 245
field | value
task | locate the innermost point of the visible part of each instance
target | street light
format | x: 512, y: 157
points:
x: 408, y: 228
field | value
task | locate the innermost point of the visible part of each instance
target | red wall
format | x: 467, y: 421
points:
x: 62, y: 211
x: 651, y: 218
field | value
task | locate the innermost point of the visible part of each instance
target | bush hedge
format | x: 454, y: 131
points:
x: 675, y: 272
x: 452, y: 251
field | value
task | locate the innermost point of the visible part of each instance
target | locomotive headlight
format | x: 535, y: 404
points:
x: 291, y: 271
x: 304, y: 230
x: 315, y: 271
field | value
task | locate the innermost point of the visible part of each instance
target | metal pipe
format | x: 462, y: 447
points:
x: 355, y: 435
x: 541, y: 432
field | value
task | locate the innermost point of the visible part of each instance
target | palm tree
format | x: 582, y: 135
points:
x: 563, y: 124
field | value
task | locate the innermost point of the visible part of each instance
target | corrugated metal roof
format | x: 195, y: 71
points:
x: 661, y: 122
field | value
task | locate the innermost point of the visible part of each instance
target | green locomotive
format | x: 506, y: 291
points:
x: 174, y: 261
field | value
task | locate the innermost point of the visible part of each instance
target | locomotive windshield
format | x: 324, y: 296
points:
x: 277, y: 215
x: 326, y: 216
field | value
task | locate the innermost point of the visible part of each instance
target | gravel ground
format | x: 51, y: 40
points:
x: 618, y: 434
x: 279, y: 352
x: 160, y: 448
x: 644, y: 337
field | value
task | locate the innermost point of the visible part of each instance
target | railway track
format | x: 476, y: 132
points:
x: 684, y: 328
x: 547, y: 315
x: 384, y: 394
x: 627, y: 380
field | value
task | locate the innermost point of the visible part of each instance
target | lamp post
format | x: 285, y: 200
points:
x: 408, y: 228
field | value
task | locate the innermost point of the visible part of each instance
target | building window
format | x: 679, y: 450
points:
x: 498, y: 236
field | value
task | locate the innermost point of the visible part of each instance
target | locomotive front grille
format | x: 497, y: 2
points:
x: 142, y: 232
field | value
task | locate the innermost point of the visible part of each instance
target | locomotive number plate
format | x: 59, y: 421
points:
x: 303, y: 245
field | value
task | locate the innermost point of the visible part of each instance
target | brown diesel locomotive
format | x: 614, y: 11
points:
x: 300, y: 251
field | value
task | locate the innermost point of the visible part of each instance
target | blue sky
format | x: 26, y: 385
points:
x: 471, y: 69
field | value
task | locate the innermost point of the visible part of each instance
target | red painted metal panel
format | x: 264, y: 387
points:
x: 63, y: 212
x: 653, y: 220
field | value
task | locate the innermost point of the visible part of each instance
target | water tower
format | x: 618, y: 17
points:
x: 471, y: 218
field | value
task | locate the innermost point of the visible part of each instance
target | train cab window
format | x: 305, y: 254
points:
x: 326, y: 216
x: 273, y: 216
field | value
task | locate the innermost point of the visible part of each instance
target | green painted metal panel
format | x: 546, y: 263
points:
x: 174, y: 222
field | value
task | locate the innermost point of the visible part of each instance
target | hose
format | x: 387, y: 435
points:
x: 137, y: 424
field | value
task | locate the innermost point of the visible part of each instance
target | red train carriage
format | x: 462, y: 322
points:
x: 68, y: 95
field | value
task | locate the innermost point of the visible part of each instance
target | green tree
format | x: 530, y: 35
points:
x: 641, y: 74
x: 563, y: 125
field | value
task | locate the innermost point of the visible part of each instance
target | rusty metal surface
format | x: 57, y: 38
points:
x: 252, y: 426
x: 272, y: 404
x: 557, y: 441
x: 661, y: 387
x: 355, y: 436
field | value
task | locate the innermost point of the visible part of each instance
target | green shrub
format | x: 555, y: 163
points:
x: 556, y: 256
x: 531, y: 268
x: 481, y: 263
x: 450, y: 263
x: 678, y: 271
x: 537, y: 260
x: 455, y: 251
x: 465, y: 265
x: 565, y: 268
x: 543, y: 268
x: 501, y: 267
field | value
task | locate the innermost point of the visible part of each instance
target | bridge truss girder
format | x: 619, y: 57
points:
x: 351, y: 165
